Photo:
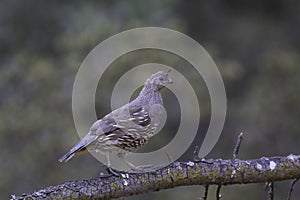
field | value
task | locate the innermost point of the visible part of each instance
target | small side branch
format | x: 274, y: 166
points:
x: 218, y: 195
x: 206, y: 192
x: 237, y: 146
x: 207, y: 172
x: 196, y: 154
x: 270, y: 190
x: 291, y: 189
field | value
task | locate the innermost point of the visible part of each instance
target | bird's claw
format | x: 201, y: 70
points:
x: 102, y: 175
x: 113, y: 171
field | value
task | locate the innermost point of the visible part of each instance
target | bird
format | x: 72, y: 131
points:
x: 128, y: 128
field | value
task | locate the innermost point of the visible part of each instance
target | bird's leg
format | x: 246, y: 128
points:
x: 108, y: 159
x: 141, y: 168
x: 109, y: 169
x: 122, y: 156
x: 132, y: 166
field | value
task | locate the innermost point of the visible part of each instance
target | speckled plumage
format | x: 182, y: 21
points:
x: 129, y: 127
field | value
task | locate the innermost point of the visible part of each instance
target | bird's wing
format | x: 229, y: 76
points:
x: 126, y: 117
x: 140, y: 115
x: 105, y: 126
x: 102, y: 126
x: 112, y: 126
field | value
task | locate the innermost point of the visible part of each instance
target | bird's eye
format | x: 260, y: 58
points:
x: 161, y: 78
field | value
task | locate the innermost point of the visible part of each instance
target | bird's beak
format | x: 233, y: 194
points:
x: 170, y: 81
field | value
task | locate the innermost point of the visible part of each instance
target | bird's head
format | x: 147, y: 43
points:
x: 159, y: 80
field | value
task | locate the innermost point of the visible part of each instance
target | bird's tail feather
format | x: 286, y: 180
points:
x: 66, y: 157
x: 80, y: 146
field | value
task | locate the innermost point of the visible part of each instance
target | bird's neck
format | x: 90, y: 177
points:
x: 150, y: 95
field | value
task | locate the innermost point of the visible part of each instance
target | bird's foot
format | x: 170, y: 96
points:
x: 103, y: 175
x: 111, y: 172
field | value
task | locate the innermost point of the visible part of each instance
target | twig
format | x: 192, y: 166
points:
x: 168, y: 155
x: 196, y: 154
x: 218, y: 195
x: 292, y: 187
x: 270, y: 189
x: 237, y: 146
x: 206, y: 192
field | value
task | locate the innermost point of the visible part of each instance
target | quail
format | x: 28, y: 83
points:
x: 127, y: 128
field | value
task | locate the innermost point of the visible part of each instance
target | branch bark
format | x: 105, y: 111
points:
x: 204, y: 172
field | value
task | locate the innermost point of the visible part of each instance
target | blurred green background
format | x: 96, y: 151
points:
x: 255, y: 44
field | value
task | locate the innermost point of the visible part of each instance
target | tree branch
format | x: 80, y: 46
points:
x: 204, y: 172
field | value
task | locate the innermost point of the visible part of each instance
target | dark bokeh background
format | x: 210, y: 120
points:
x: 255, y: 44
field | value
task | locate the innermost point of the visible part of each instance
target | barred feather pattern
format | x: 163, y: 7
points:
x: 129, y: 135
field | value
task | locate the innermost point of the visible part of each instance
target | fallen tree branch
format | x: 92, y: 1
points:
x: 204, y: 172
